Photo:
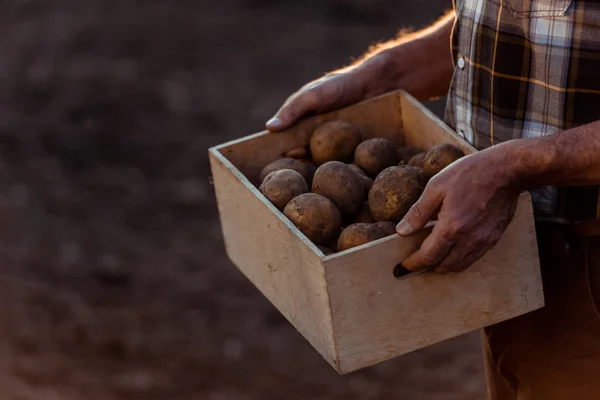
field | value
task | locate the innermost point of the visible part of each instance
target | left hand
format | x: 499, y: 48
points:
x: 475, y: 199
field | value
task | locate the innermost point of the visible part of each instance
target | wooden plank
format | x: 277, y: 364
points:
x: 378, y: 117
x: 273, y: 255
x: 376, y: 317
x: 424, y: 130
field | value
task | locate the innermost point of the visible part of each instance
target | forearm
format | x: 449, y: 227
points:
x: 420, y: 63
x: 568, y: 158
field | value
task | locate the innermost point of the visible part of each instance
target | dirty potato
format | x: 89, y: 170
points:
x: 388, y: 228
x: 280, y: 187
x: 334, y: 141
x: 358, y: 234
x: 340, y: 184
x: 302, y: 168
x: 440, y: 156
x: 315, y: 216
x: 418, y: 160
x: 394, y: 191
x: 375, y: 155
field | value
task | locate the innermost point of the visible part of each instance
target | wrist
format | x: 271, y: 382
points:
x: 421, y: 66
x: 525, y: 161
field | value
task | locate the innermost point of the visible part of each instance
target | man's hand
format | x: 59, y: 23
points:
x: 333, y: 91
x: 419, y: 63
x: 474, y: 200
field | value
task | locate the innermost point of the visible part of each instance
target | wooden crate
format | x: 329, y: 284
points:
x: 348, y: 305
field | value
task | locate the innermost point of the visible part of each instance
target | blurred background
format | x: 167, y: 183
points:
x: 114, y: 283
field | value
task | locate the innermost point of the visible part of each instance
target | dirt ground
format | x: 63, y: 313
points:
x: 114, y: 283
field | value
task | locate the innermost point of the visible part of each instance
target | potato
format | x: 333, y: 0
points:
x: 364, y: 214
x: 312, y: 168
x: 406, y: 153
x: 388, y: 228
x: 359, y: 234
x: 439, y: 157
x: 334, y: 141
x: 394, y: 191
x: 375, y: 155
x: 280, y: 187
x: 302, y: 168
x: 315, y: 216
x: 418, y: 160
x: 297, y: 153
x: 364, y: 178
x: 340, y: 184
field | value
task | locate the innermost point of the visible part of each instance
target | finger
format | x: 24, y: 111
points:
x: 470, y: 259
x: 463, y: 256
x: 297, y: 106
x: 432, y: 251
x: 329, y: 93
x: 454, y: 260
x: 420, y: 213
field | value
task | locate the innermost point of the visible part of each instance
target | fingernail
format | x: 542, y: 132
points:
x: 400, y: 271
x: 403, y: 228
x: 274, y: 123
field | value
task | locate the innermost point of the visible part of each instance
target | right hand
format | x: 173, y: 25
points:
x: 331, y: 92
x: 421, y: 64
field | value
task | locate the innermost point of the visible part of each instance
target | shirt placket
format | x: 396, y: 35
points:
x: 464, y: 74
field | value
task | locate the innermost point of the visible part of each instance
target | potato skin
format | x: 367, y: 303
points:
x: 418, y: 160
x: 334, y: 141
x: 388, y: 228
x: 357, y: 235
x: 340, y: 184
x: 280, y: 187
x: 394, y: 191
x: 406, y: 153
x: 440, y: 156
x: 375, y: 155
x: 361, y: 233
x: 302, y: 168
x: 364, y: 178
x: 315, y: 216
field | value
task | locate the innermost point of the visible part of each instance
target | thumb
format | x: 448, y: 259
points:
x: 297, y: 106
x: 419, y: 215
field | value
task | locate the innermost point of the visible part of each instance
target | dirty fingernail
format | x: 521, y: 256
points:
x: 400, y: 271
x: 274, y: 123
x: 403, y: 228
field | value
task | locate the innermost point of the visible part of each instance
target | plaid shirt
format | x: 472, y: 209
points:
x: 524, y: 68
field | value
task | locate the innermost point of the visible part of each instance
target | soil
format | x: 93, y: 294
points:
x: 114, y: 283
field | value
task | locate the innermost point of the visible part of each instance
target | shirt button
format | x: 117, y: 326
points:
x: 461, y: 62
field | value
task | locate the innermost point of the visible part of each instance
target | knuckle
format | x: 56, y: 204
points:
x: 429, y: 259
x: 480, y: 240
x: 453, y: 230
